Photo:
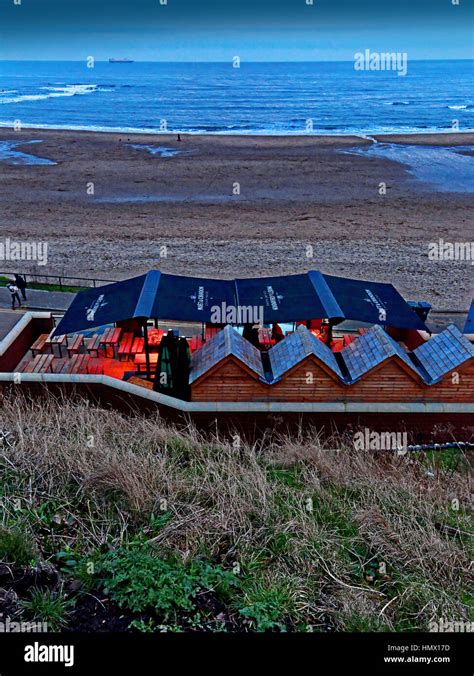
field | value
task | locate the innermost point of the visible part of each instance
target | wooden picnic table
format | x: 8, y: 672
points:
x: 56, y: 340
x: 140, y: 361
x: 110, y: 338
x: 137, y: 346
x: 94, y: 344
x: 125, y: 345
x: 135, y: 380
x: 39, y: 344
x: 77, y: 364
x: 40, y: 364
x: 75, y: 345
x: 62, y: 365
x: 95, y: 366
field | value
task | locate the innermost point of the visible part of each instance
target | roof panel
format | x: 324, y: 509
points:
x: 444, y: 352
x: 296, y: 347
x: 225, y: 343
x: 372, y: 349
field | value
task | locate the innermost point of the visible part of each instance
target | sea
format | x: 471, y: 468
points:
x: 256, y: 98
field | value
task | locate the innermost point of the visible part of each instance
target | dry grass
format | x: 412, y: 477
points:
x: 349, y: 540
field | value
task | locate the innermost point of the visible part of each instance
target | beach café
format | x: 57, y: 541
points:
x: 328, y: 350
x: 112, y: 323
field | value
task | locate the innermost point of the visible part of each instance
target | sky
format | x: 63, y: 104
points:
x: 218, y: 30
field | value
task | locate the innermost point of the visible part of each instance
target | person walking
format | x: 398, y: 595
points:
x: 14, y: 294
x: 20, y: 282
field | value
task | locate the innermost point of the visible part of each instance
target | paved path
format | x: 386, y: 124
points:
x: 39, y: 300
x: 8, y: 319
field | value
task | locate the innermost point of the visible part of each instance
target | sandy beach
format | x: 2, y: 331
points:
x: 236, y: 206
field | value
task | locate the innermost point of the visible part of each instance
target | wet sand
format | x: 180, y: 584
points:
x: 236, y: 206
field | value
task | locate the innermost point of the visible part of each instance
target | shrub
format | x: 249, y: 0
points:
x: 139, y: 581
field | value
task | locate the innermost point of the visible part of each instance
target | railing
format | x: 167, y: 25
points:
x: 60, y: 280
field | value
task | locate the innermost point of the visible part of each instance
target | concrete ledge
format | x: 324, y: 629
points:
x: 269, y: 407
x: 19, y: 327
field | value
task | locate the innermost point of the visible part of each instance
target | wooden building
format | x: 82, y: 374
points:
x: 301, y: 368
x: 228, y: 368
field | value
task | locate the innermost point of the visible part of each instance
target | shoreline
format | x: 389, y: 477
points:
x: 296, y: 194
x: 438, y: 138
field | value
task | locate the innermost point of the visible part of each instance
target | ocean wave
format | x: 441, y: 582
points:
x: 245, y: 131
x: 54, y: 92
x: 397, y: 103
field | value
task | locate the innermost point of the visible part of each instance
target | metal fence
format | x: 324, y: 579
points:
x: 60, y: 280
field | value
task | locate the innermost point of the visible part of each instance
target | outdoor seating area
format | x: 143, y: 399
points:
x: 110, y: 353
x: 342, y: 352
x: 113, y: 352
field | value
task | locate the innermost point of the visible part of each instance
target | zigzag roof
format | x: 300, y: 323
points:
x: 296, y: 347
x: 225, y: 343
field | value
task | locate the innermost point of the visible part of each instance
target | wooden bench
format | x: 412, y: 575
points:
x: 135, y: 380
x: 137, y: 346
x: 76, y: 345
x: 93, y: 345
x: 125, y: 346
x: 140, y: 361
x: 79, y: 363
x: 39, y: 344
x: 40, y: 364
x: 96, y: 366
x: 110, y: 339
x: 61, y: 366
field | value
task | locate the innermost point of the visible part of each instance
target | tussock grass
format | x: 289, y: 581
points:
x: 317, y: 539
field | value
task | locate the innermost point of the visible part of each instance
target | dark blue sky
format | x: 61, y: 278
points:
x: 217, y: 30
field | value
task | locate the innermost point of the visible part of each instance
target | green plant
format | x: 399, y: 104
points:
x: 66, y: 559
x: 145, y: 627
x: 15, y: 548
x: 48, y: 606
x: 139, y: 581
x: 267, y: 608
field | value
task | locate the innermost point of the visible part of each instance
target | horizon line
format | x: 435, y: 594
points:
x: 106, y: 60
